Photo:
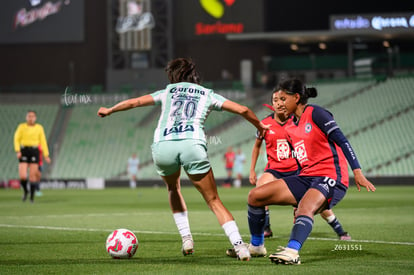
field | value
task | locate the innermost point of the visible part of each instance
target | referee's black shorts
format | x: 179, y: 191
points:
x: 29, y: 154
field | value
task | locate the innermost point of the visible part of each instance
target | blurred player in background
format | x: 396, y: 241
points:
x: 27, y: 138
x: 322, y: 151
x: 39, y: 173
x: 132, y: 170
x: 179, y: 141
x: 229, y: 164
x: 239, y: 160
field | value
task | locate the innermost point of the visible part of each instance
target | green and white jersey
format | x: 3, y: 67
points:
x: 184, y: 109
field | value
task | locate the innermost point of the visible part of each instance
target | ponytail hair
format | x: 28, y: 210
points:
x: 295, y: 86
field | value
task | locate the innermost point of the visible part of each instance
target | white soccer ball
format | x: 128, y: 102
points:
x: 121, y: 244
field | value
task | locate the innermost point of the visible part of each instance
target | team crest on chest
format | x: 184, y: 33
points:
x: 308, y: 127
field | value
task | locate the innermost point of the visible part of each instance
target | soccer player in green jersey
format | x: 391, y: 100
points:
x: 179, y: 141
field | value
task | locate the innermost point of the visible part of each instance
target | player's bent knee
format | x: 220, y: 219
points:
x: 253, y: 198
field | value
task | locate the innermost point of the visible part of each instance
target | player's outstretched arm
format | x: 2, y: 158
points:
x: 145, y: 100
x: 245, y: 112
x: 361, y: 180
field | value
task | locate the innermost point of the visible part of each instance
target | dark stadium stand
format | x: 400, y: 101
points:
x: 375, y: 115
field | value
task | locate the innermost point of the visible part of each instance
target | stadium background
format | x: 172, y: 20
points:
x: 68, y: 63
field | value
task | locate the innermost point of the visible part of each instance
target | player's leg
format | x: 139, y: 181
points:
x: 165, y: 155
x: 329, y: 216
x: 238, y: 181
x: 206, y: 185
x: 133, y: 183
x: 23, y: 166
x: 272, y: 193
x: 229, y: 172
x: 38, y: 177
x: 198, y: 168
x: 179, y: 210
x: 33, y: 179
x: 311, y: 203
x: 265, y: 178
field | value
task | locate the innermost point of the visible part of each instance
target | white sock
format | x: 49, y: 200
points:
x: 330, y: 218
x: 232, y: 231
x: 132, y: 184
x: 183, y: 226
x: 237, y: 183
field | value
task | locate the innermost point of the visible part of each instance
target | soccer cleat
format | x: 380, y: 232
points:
x: 242, y: 251
x: 24, y: 198
x: 231, y: 252
x: 255, y: 251
x: 188, y: 246
x: 268, y: 232
x: 285, y: 255
x: 345, y: 237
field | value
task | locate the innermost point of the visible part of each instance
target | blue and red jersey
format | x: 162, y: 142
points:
x: 278, y: 150
x: 317, y: 153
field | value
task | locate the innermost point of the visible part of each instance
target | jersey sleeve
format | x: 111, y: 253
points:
x: 43, y: 142
x: 338, y: 137
x: 157, y: 96
x: 17, y: 136
x: 325, y: 121
x: 217, y: 101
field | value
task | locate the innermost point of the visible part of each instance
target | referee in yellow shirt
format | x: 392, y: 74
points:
x: 27, y: 138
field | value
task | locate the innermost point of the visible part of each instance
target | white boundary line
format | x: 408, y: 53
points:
x: 174, y: 233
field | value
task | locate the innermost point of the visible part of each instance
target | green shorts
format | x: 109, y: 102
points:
x: 170, y: 155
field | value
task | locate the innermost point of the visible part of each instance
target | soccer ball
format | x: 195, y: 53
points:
x: 121, y: 244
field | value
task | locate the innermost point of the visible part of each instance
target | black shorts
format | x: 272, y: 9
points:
x: 332, y: 190
x: 29, y: 155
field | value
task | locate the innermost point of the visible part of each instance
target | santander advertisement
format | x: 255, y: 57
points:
x: 216, y: 18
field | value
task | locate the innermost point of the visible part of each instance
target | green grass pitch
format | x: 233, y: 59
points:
x: 64, y: 232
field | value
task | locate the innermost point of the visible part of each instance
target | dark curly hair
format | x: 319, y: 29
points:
x: 182, y: 70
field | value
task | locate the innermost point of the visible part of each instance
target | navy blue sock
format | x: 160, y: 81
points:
x: 256, y: 219
x: 336, y: 225
x: 300, y: 232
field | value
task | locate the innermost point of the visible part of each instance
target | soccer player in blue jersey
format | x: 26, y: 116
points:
x: 322, y: 152
x: 179, y: 141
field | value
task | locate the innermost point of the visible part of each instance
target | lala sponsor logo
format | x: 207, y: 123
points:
x: 217, y: 9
